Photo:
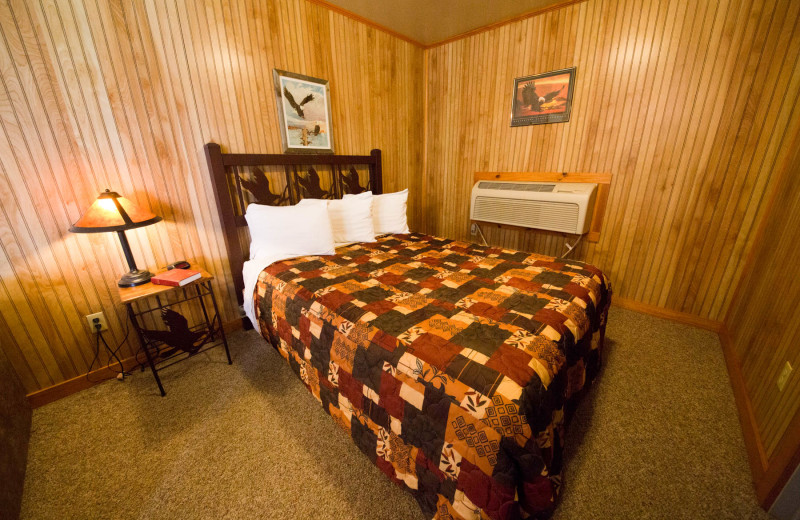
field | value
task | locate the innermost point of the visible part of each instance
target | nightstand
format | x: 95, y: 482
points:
x: 144, y: 300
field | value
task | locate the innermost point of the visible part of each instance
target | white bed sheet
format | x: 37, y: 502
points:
x: 250, y: 272
x: 253, y: 268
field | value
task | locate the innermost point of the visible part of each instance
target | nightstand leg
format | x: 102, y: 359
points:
x: 146, y: 348
x: 221, y: 327
x: 209, y: 325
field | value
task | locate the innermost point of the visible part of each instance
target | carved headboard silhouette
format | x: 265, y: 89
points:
x: 239, y: 179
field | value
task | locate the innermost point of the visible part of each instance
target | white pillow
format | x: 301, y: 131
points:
x: 388, y: 211
x: 289, y: 231
x: 351, y: 220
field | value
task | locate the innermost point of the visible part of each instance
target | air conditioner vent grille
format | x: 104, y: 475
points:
x: 517, y: 186
x: 553, y: 216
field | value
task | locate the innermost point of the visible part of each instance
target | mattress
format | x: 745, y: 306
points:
x: 452, y: 366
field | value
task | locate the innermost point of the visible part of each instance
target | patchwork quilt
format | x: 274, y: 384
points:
x: 451, y: 365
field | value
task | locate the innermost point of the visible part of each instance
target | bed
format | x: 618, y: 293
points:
x: 453, y: 367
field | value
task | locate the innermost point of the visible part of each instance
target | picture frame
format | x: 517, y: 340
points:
x: 540, y: 98
x: 304, y: 113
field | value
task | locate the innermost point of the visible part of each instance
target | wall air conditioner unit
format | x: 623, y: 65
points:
x: 565, y: 207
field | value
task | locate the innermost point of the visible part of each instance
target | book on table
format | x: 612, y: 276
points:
x: 176, y: 277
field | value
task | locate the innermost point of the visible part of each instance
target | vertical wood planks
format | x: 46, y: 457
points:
x: 686, y: 107
x: 124, y: 94
x: 763, y: 326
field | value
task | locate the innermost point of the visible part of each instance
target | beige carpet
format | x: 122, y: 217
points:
x: 658, y: 437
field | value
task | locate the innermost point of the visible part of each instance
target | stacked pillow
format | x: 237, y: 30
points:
x: 388, y: 211
x: 316, y: 226
x: 351, y: 220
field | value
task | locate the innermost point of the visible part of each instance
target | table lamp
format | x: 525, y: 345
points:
x: 111, y: 212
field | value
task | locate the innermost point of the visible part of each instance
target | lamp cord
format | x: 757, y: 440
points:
x: 113, y: 354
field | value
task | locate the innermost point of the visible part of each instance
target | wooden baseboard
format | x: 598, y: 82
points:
x: 783, y: 464
x: 101, y: 375
x: 770, y: 474
x: 232, y: 326
x: 669, y: 314
x: 752, y: 440
x: 76, y: 384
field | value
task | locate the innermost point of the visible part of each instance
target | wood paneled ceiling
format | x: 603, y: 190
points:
x: 428, y: 23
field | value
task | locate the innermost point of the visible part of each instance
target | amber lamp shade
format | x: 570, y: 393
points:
x: 111, y: 212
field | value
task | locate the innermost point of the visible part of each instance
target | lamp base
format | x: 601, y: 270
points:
x: 134, y: 278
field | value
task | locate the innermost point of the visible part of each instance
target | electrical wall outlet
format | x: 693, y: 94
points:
x: 473, y: 229
x: 94, y: 319
x: 784, y: 377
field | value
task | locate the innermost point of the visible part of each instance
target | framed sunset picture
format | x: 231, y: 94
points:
x: 543, y: 98
x: 304, y: 112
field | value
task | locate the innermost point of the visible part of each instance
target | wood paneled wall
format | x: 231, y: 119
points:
x: 686, y: 104
x: 123, y: 94
x: 763, y: 333
x: 687, y: 108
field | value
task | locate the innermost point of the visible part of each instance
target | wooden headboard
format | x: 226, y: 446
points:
x: 243, y: 178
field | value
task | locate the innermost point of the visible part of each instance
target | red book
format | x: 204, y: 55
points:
x: 176, y: 277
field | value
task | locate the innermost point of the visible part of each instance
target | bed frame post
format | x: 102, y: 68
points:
x: 375, y: 173
x: 226, y: 215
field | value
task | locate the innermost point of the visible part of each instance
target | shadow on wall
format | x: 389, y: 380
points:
x: 15, y: 432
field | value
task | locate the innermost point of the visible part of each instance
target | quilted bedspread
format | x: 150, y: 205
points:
x: 451, y: 365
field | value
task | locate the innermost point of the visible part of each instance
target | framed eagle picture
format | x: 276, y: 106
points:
x: 543, y: 98
x: 304, y: 113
